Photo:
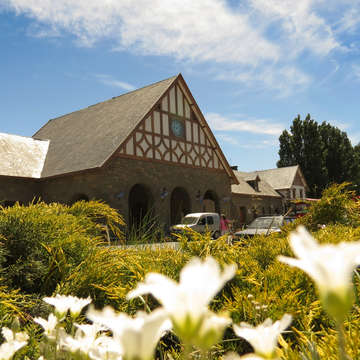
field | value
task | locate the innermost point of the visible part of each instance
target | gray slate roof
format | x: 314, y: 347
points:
x: 243, y: 188
x: 85, y: 139
x: 279, y: 178
x: 22, y: 156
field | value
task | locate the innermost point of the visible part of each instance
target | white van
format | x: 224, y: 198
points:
x: 200, y: 222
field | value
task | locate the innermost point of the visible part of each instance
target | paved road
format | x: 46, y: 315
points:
x: 164, y: 245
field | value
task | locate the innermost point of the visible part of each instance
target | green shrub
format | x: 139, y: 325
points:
x: 338, y: 205
x: 42, y: 244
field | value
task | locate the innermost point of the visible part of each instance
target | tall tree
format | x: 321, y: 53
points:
x: 340, y: 156
x: 324, y: 153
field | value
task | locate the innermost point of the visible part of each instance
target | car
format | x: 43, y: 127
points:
x: 200, y: 222
x: 264, y: 225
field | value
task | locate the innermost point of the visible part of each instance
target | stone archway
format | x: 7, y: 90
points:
x: 211, y: 202
x: 179, y: 205
x: 79, y: 197
x: 140, y: 205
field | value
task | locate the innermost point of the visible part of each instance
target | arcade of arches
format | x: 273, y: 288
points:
x: 142, y: 204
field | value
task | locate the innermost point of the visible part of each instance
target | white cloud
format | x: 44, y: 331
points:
x: 108, y: 80
x: 350, y: 21
x: 356, y: 71
x: 228, y: 139
x: 302, y: 27
x: 260, y: 41
x: 260, y: 145
x: 283, y: 80
x: 158, y: 27
x: 218, y: 122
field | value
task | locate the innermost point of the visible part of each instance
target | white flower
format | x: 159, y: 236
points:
x: 187, y: 301
x: 8, y: 349
x: 48, y: 325
x: 330, y: 266
x: 263, y: 338
x: 235, y: 356
x: 10, y: 335
x: 64, y: 303
x: 14, y: 342
x: 85, y: 340
x: 211, y: 330
x: 106, y: 347
x: 137, y: 336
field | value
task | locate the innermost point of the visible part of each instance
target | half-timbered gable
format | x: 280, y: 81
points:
x: 174, y: 132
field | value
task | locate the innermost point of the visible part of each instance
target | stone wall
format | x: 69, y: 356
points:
x: 14, y: 189
x: 244, y: 208
x: 114, y: 182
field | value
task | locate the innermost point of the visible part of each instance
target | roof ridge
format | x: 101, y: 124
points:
x: 104, y: 101
x: 22, y: 136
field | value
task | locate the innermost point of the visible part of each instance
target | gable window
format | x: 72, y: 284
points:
x: 177, y: 127
x: 254, y: 184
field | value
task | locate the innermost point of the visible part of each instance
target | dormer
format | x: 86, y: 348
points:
x: 254, y: 182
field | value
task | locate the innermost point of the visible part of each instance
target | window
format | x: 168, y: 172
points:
x: 177, y: 127
x: 294, y: 193
x: 254, y: 184
x: 210, y: 220
x: 301, y: 193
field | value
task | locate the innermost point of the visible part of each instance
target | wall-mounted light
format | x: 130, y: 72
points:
x: 163, y: 193
x: 120, y: 195
x: 198, y: 196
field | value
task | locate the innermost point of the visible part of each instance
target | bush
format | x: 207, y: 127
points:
x: 42, y: 244
x: 338, y: 205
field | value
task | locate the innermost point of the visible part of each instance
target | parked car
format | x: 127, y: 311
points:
x: 264, y: 225
x: 200, y: 222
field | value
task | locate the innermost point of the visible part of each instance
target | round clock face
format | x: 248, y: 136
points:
x: 177, y: 127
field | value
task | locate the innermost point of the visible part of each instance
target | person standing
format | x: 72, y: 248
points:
x: 224, y: 224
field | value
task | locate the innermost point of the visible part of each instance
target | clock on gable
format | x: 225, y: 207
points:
x: 177, y: 127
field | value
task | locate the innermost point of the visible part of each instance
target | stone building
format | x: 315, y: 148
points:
x: 253, y: 197
x: 267, y: 192
x: 149, y: 151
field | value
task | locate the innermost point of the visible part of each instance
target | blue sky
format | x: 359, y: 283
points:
x: 252, y: 65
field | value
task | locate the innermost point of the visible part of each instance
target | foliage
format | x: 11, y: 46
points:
x: 147, y: 231
x: 42, y: 244
x: 262, y: 288
x: 338, y: 205
x: 324, y: 153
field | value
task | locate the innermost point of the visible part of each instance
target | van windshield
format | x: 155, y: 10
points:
x: 187, y: 220
x: 265, y: 223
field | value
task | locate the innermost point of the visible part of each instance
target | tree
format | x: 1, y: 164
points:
x: 324, y: 153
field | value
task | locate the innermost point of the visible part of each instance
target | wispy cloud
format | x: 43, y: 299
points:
x: 350, y: 21
x: 300, y: 25
x: 257, y: 126
x: 228, y: 139
x: 109, y: 80
x: 355, y: 138
x: 284, y: 80
x: 356, y: 71
x: 260, y: 145
x: 260, y: 41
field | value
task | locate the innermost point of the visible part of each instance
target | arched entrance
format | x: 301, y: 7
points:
x: 179, y: 205
x: 211, y: 202
x: 140, y: 203
x: 79, y: 197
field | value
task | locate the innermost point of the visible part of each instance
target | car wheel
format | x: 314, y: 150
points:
x: 216, y: 234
